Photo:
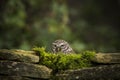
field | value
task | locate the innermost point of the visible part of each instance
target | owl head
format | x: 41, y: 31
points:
x: 61, y: 46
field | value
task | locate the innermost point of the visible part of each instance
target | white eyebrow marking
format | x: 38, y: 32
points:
x: 54, y: 43
x: 61, y: 43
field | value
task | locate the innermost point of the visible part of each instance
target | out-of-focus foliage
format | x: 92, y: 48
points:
x: 64, y: 61
x: 85, y: 24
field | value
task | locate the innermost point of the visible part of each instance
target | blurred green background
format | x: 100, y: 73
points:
x: 85, y: 24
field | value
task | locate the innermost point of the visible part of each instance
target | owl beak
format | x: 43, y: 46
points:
x: 58, y: 49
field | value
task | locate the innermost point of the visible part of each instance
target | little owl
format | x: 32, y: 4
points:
x: 61, y: 46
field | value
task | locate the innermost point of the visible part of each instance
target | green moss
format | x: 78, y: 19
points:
x: 62, y: 61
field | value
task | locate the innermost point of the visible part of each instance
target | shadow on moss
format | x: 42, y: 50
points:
x: 59, y: 62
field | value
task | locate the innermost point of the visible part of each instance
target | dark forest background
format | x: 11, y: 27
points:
x: 85, y: 24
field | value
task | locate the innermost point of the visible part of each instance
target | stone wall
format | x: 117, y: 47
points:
x: 23, y: 65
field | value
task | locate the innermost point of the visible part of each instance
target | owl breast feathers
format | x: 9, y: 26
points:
x: 61, y: 46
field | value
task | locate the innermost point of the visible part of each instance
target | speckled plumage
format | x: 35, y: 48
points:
x: 61, y: 46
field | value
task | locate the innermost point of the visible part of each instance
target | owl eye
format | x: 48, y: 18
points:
x: 55, y: 46
x: 62, y: 45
